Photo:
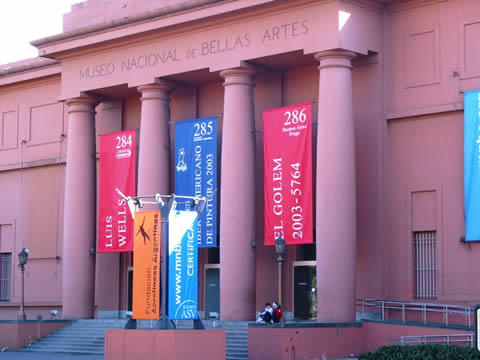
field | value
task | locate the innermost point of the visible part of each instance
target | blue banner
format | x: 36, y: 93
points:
x: 472, y: 165
x: 196, y: 171
x: 182, y: 265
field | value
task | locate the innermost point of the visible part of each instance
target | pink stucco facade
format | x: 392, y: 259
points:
x: 386, y: 79
x: 334, y: 341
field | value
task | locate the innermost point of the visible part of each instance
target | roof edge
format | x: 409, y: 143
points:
x: 192, y: 4
x: 26, y: 65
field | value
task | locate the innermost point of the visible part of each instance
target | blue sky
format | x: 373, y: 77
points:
x: 22, y: 21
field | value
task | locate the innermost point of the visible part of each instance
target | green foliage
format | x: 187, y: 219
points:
x: 421, y: 352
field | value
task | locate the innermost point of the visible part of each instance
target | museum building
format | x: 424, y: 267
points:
x: 386, y: 80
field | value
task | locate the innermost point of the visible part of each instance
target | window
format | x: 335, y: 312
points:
x: 425, y: 264
x: 5, y: 271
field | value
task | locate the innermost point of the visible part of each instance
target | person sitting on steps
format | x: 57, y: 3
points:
x: 277, y: 312
x: 266, y: 315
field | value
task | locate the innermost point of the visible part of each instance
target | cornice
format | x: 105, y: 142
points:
x: 407, y: 5
x: 129, y: 20
x: 103, y: 34
x: 26, y: 71
x: 367, y: 4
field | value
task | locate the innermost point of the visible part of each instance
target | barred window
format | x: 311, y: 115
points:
x: 425, y: 264
x: 5, y: 274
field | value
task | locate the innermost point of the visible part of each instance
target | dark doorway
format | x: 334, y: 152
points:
x: 304, y: 292
x: 212, y: 291
x: 129, y: 289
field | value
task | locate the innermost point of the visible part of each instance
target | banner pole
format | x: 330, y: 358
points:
x: 165, y: 323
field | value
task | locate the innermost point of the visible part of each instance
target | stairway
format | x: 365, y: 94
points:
x: 237, y: 339
x: 236, y: 336
x: 88, y: 336
x: 82, y: 336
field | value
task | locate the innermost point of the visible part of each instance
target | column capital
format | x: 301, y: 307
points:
x: 156, y: 90
x: 238, y: 76
x: 82, y: 100
x: 82, y: 104
x: 335, y: 58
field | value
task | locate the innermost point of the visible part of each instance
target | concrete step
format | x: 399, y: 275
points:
x: 230, y: 344
x: 76, y: 336
x: 67, y: 346
x: 85, y: 336
x: 234, y: 345
x: 239, y: 336
x: 48, y: 341
x: 93, y: 350
x: 62, y: 351
x: 236, y: 340
x: 235, y: 357
x: 80, y: 333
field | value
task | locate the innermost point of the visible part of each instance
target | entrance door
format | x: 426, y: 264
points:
x: 212, y: 290
x: 129, y: 288
x: 304, y: 290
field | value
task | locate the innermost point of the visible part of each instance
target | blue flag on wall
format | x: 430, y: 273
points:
x: 196, y: 171
x: 182, y: 265
x: 472, y: 165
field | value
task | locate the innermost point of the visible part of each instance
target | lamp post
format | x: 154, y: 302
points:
x: 280, y: 249
x: 22, y: 261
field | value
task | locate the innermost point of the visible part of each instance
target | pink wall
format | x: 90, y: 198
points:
x: 31, y: 206
x: 302, y: 343
x: 315, y: 342
x: 378, y: 334
x: 165, y: 344
x: 426, y: 155
x: 424, y: 143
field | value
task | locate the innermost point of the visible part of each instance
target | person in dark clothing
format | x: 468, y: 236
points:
x: 266, y: 315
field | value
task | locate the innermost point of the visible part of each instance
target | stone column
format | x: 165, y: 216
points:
x: 107, y: 265
x: 154, y: 147
x: 336, y: 198
x: 79, y: 212
x: 237, y: 206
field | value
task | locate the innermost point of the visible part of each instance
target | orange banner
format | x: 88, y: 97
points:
x: 146, y: 265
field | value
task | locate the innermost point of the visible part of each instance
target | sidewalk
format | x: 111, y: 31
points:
x: 47, y: 356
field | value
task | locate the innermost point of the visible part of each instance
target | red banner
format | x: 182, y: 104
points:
x: 287, y: 137
x: 117, y: 170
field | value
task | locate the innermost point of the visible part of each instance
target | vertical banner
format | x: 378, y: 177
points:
x: 117, y: 170
x: 287, y: 138
x: 182, y: 265
x: 146, y: 265
x: 196, y: 171
x: 472, y: 165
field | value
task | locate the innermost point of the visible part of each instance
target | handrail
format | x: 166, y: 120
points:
x: 404, y: 306
x: 435, y: 339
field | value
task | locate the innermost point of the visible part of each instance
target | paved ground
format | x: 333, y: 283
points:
x: 46, y: 356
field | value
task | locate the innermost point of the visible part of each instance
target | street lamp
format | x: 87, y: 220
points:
x: 280, y: 249
x: 22, y: 261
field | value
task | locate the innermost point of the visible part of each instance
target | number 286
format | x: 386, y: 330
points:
x: 295, y: 116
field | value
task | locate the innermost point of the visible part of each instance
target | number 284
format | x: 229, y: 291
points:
x: 123, y: 141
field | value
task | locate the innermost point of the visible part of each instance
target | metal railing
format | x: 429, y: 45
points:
x: 424, y: 308
x: 436, y: 339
